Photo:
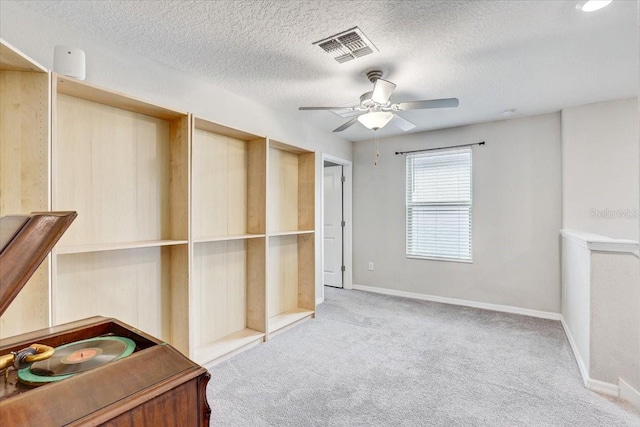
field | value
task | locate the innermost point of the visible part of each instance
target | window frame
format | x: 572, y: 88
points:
x: 409, y: 204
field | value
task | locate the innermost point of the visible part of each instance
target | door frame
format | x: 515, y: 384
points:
x: 347, y: 212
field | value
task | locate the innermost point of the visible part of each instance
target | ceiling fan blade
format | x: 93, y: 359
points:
x: 432, y: 103
x: 346, y: 125
x: 382, y: 91
x: 402, y: 123
x: 325, y: 108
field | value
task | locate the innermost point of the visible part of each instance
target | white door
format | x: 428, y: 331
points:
x: 333, y: 226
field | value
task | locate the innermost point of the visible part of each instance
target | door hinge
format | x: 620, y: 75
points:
x: 343, y: 224
x: 343, y: 268
x: 342, y: 178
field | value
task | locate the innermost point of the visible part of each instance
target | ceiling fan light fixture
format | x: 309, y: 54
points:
x: 376, y: 119
x: 593, y: 5
x: 375, y: 109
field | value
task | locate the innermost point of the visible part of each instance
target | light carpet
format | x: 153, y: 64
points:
x: 377, y: 360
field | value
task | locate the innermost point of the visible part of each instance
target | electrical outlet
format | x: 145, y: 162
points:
x: 370, y: 266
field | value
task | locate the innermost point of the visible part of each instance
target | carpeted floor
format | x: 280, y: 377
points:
x: 375, y: 360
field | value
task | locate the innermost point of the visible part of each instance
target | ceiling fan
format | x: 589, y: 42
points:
x: 377, y: 109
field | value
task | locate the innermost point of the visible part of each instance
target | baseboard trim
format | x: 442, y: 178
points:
x: 603, y: 387
x: 622, y: 390
x: 629, y: 393
x: 576, y: 353
x: 461, y: 302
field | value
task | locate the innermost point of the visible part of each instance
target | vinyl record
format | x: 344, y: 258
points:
x: 76, y: 357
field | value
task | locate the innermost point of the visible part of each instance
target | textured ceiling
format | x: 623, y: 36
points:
x: 532, y: 56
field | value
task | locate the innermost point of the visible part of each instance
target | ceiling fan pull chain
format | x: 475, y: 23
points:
x: 375, y: 160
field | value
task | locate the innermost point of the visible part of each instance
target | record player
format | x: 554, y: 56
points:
x: 97, y: 371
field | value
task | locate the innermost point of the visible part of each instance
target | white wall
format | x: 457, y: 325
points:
x: 600, y: 174
x: 516, y: 216
x: 576, y: 298
x: 115, y: 68
x: 600, y: 155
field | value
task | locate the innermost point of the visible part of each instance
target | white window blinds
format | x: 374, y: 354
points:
x: 439, y: 204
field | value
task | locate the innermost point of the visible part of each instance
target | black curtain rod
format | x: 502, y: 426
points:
x: 439, y: 148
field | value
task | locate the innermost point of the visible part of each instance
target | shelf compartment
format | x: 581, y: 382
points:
x: 291, y: 281
x: 210, y: 353
x: 124, y: 171
x: 291, y: 185
x: 24, y: 172
x: 228, y: 182
x: 65, y: 250
x: 141, y: 287
x: 228, y: 285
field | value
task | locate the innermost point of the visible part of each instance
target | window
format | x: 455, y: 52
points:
x: 439, y: 204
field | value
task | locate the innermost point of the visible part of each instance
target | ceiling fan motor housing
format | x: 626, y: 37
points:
x: 374, y: 75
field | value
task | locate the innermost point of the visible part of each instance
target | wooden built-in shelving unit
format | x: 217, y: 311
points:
x: 194, y: 232
x: 123, y: 165
x: 291, y: 247
x: 24, y: 171
x: 229, y: 208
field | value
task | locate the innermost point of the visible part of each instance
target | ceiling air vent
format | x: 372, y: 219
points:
x: 347, y: 45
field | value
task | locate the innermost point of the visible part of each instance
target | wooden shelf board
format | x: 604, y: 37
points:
x: 219, y: 348
x: 101, y: 247
x: 75, y: 88
x: 286, y: 147
x: 226, y: 238
x: 11, y: 59
x: 287, y: 318
x: 208, y: 126
x: 290, y: 233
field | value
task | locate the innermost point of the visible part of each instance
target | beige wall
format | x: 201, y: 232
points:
x: 516, y: 216
x: 600, y: 154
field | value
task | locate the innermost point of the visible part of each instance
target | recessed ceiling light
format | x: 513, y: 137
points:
x: 593, y: 5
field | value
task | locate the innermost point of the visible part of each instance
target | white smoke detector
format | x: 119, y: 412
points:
x: 69, y: 61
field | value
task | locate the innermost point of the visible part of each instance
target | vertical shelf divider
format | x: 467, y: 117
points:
x: 24, y: 172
